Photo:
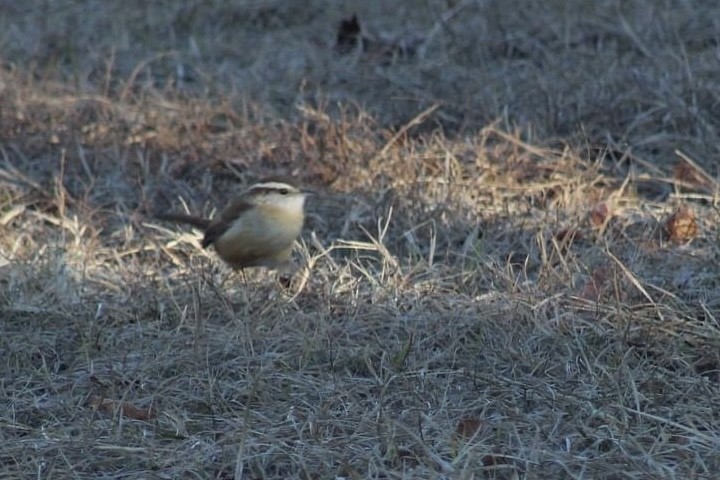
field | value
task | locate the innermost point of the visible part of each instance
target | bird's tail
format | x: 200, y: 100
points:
x: 198, y: 222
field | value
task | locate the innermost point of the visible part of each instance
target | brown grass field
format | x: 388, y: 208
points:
x: 512, y: 269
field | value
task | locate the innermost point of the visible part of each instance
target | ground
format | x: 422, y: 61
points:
x: 510, y: 270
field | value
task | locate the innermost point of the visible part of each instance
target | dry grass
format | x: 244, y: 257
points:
x: 494, y: 283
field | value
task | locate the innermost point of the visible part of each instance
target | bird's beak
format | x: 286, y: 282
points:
x: 307, y: 191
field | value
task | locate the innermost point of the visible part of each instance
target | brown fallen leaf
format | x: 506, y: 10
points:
x: 109, y: 406
x: 595, y: 285
x: 467, y: 427
x: 690, y: 175
x: 682, y: 225
x: 493, y: 459
x: 599, y: 215
x: 568, y: 235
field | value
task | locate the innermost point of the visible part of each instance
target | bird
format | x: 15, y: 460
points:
x: 257, y: 228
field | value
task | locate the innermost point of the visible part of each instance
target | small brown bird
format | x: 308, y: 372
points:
x: 257, y: 229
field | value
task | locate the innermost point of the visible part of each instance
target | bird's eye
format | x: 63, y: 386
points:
x: 284, y: 191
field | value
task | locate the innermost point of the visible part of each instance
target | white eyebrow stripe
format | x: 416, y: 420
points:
x: 273, y: 186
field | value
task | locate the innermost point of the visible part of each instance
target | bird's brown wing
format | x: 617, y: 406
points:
x: 224, y: 220
x: 198, y: 222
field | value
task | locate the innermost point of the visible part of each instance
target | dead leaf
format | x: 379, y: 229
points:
x: 468, y: 427
x: 109, y: 406
x: 599, y: 215
x: 348, y: 34
x: 682, y: 225
x: 383, y: 48
x: 688, y: 175
x: 492, y: 459
x: 595, y: 285
x: 566, y: 237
